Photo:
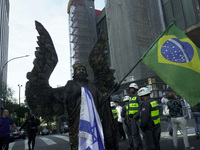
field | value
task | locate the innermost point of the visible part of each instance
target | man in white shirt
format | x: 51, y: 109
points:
x: 186, y: 108
x: 164, y: 99
x: 120, y: 121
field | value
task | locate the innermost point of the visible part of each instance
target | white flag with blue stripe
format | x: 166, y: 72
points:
x: 90, y: 128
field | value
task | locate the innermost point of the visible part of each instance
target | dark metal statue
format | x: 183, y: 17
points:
x: 45, y: 101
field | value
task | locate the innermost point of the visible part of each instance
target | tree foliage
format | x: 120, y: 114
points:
x: 17, y: 112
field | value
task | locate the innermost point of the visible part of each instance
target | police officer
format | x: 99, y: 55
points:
x: 149, y: 120
x: 133, y: 111
x: 128, y: 126
x: 114, y: 111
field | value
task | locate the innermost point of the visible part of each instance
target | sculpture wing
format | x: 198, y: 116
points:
x: 42, y: 99
x: 103, y: 75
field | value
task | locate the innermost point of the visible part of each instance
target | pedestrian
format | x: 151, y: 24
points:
x: 124, y: 114
x: 5, y: 123
x: 196, y: 114
x: 185, y: 108
x: 149, y: 120
x: 164, y: 101
x: 119, y: 121
x: 133, y: 111
x: 114, y: 112
x: 176, y: 113
x: 32, y: 123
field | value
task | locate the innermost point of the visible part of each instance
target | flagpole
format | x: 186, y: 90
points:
x: 118, y: 84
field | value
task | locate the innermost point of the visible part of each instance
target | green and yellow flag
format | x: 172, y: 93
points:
x: 175, y: 59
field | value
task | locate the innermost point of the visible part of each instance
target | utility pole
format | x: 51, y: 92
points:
x: 19, y: 92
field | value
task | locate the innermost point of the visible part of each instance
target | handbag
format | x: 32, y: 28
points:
x: 165, y: 110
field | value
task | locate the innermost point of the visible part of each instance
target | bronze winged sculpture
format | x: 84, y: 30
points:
x: 44, y: 100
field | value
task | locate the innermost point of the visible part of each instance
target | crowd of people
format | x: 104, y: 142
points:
x: 140, y: 115
x: 142, y: 119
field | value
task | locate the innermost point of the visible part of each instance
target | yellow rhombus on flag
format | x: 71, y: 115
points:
x: 175, y: 59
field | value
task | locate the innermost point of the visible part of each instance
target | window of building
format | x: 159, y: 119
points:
x: 182, y: 12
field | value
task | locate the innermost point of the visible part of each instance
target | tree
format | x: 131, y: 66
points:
x: 17, y: 112
x: 7, y: 95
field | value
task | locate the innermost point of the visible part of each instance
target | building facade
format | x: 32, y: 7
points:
x: 133, y: 25
x: 82, y: 30
x: 4, y: 36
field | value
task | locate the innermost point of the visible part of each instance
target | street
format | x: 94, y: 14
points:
x: 50, y: 142
x: 61, y: 142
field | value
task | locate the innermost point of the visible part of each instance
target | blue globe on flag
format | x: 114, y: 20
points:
x: 177, y: 51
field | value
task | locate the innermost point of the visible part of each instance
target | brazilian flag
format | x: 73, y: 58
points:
x: 175, y: 59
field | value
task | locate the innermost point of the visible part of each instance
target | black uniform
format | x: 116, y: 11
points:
x: 151, y: 130
x: 32, y: 124
x: 128, y: 126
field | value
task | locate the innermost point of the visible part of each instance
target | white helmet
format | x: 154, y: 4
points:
x: 133, y: 85
x: 112, y: 104
x: 126, y: 98
x: 143, y: 91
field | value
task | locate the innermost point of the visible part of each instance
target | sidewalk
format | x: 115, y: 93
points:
x: 166, y: 142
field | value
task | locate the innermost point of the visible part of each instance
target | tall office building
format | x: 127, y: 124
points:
x: 4, y: 32
x: 82, y: 30
x: 185, y: 14
x: 133, y: 25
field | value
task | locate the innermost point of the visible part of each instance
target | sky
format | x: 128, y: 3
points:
x: 23, y: 36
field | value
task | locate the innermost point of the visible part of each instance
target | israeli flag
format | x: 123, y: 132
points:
x: 90, y: 128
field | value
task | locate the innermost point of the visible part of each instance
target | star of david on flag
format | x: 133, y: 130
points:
x: 175, y: 59
x: 90, y: 128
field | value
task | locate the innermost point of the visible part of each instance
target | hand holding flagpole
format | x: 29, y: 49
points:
x: 117, y: 85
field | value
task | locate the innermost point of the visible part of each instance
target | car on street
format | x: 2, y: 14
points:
x: 45, y: 132
x: 15, y: 135
x: 64, y: 128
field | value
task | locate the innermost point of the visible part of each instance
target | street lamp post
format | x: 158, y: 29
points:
x: 19, y: 92
x: 1, y: 78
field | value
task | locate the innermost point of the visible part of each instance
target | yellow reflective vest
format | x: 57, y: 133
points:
x: 155, y: 112
x: 114, y: 112
x: 133, y: 106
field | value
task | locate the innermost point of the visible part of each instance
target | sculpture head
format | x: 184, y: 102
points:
x: 80, y: 71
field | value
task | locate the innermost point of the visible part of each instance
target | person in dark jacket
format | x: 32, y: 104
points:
x: 134, y: 113
x: 32, y: 123
x: 149, y: 120
x: 125, y: 115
